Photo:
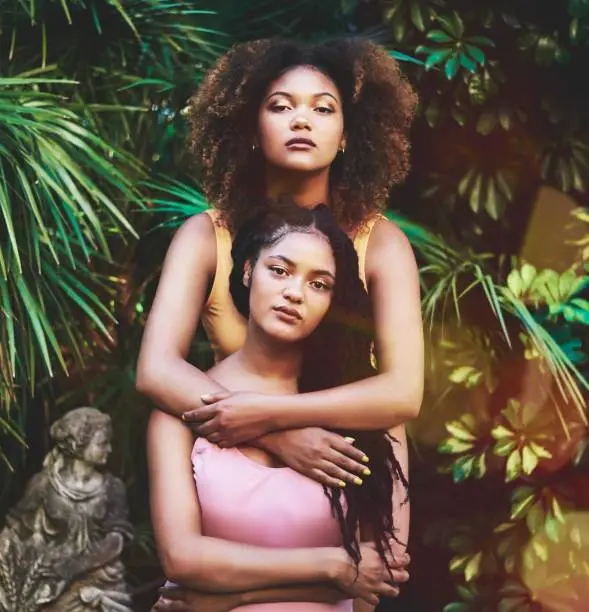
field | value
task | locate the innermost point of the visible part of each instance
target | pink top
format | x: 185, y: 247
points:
x: 244, y: 501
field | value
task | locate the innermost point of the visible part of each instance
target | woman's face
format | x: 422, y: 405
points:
x: 291, y: 286
x: 300, y: 121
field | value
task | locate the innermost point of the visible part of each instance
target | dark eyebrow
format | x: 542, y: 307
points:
x: 290, y: 96
x: 292, y: 264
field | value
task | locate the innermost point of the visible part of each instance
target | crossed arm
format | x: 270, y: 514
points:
x: 219, y: 566
x: 381, y: 402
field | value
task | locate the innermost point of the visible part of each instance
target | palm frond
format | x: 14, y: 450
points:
x: 448, y: 266
x: 447, y: 270
x: 63, y: 193
x: 175, y: 199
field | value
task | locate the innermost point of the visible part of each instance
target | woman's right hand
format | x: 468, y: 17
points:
x: 368, y: 581
x: 321, y: 455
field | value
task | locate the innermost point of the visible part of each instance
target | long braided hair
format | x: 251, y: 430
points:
x: 336, y: 353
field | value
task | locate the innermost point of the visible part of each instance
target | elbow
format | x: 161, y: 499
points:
x: 413, y: 407
x: 186, y: 565
x: 147, y: 379
x: 176, y: 568
x: 405, y: 407
x: 143, y: 382
x: 414, y: 402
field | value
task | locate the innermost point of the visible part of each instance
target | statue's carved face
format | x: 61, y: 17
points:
x: 98, y: 448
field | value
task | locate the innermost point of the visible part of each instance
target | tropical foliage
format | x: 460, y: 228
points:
x: 94, y: 177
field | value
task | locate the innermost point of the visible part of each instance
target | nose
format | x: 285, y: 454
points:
x: 293, y: 292
x: 300, y: 122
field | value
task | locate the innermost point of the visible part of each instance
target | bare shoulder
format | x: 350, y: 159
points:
x: 387, y: 232
x: 197, y: 227
x: 389, y: 243
x: 194, y: 243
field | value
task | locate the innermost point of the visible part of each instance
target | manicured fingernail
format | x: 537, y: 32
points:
x: 366, y: 472
x: 183, y: 417
x: 341, y: 483
x: 350, y: 440
x: 205, y: 398
x: 365, y: 459
x: 357, y: 481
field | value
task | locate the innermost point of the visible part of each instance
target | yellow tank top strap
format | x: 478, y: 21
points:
x: 361, y: 243
x: 219, y: 290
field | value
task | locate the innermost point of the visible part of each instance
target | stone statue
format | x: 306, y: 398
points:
x: 61, y: 547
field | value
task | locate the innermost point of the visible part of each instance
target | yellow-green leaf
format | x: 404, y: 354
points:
x: 540, y: 549
x: 500, y: 431
x: 557, y: 510
x: 528, y: 273
x: 503, y: 447
x: 459, y: 375
x: 472, y: 567
x: 529, y: 460
x: 455, y: 447
x: 457, y: 429
x: 540, y: 451
x: 514, y: 283
x: 519, y: 509
x: 514, y: 466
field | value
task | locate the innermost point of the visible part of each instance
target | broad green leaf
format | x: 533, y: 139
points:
x: 520, y: 508
x: 454, y: 446
x: 472, y: 568
x: 457, y: 429
x: 514, y: 466
x: 529, y: 460
x: 438, y: 36
x: 476, y: 53
x: 452, y: 66
x: 514, y: 282
x: 504, y: 447
x: 437, y: 58
x: 500, y: 431
x: 459, y: 375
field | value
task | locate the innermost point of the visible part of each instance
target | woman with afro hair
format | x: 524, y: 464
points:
x: 326, y: 123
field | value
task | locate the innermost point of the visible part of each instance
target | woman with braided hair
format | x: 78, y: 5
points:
x: 262, y: 531
x: 321, y: 123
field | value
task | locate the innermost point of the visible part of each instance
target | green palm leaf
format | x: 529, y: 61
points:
x: 448, y: 270
x: 63, y: 192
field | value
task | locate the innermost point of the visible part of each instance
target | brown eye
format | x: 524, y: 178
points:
x: 320, y: 285
x: 278, y: 270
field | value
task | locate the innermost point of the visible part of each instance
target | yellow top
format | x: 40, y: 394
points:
x: 224, y: 326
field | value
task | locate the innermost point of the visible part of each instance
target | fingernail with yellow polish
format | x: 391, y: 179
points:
x: 365, y: 459
x: 366, y: 472
x: 341, y: 483
x: 357, y: 481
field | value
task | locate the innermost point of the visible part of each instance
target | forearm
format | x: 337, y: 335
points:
x: 320, y: 593
x: 216, y: 565
x: 379, y: 402
x: 175, y: 385
x: 362, y: 606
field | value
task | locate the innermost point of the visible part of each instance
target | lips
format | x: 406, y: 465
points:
x: 289, y: 312
x: 306, y: 142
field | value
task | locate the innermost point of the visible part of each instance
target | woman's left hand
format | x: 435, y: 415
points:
x: 228, y: 419
x: 178, y: 599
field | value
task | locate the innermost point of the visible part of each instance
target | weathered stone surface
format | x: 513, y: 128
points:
x: 60, y: 549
